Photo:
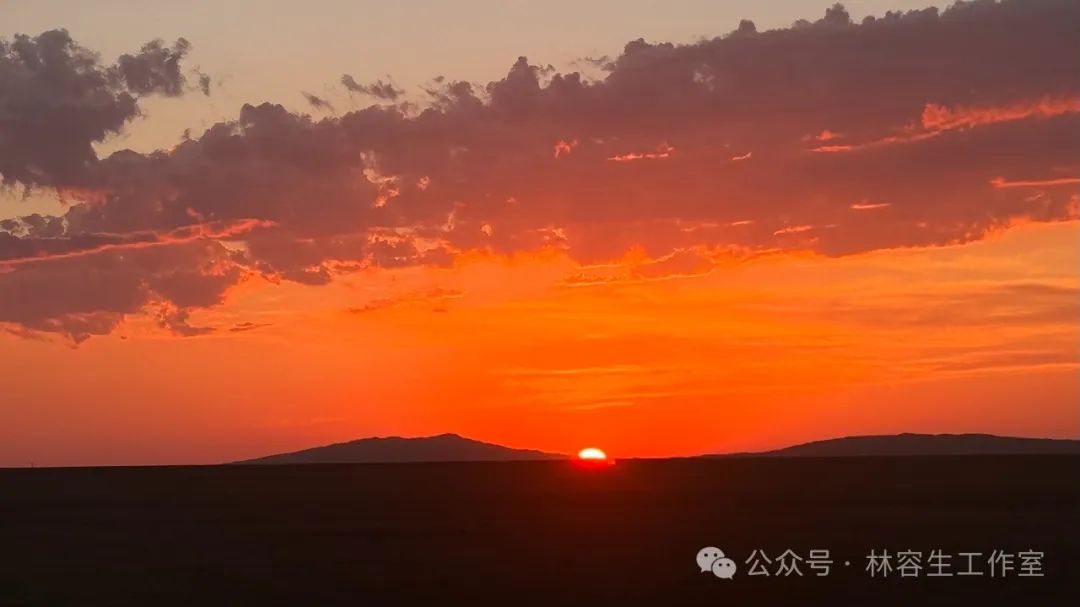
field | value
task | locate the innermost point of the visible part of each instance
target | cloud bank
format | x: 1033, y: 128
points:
x: 831, y: 136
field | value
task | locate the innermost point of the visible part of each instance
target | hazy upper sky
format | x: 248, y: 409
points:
x: 743, y: 240
x: 270, y: 50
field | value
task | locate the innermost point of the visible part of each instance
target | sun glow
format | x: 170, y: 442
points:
x: 592, y: 454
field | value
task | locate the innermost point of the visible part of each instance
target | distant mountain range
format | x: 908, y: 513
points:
x: 921, y: 444
x: 441, y: 448
x: 454, y: 448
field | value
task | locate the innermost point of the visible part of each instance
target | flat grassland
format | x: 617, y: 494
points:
x: 535, y: 532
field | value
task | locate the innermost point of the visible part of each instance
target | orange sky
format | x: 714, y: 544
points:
x: 753, y: 239
x: 746, y: 356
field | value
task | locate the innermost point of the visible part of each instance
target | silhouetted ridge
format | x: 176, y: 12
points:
x: 908, y: 444
x: 441, y: 448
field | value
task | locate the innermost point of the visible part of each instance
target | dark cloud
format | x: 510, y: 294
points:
x: 924, y: 112
x: 57, y: 99
x: 85, y: 296
x: 156, y: 69
x: 242, y: 327
x: 203, y: 82
x: 317, y: 102
x: 175, y: 320
x: 377, y: 89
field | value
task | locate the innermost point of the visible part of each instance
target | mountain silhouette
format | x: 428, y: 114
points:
x: 922, y: 444
x: 441, y: 448
x: 455, y: 448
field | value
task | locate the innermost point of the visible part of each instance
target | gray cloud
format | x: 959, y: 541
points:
x: 57, y: 99
x: 924, y: 111
x: 377, y: 89
x: 156, y: 69
x: 317, y: 102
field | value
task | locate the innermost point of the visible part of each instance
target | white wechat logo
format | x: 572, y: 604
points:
x: 712, y: 559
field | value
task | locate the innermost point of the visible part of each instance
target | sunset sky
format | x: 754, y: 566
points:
x: 657, y: 228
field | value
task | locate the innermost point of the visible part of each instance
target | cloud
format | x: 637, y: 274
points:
x: 430, y: 296
x: 940, y: 118
x: 981, y: 89
x: 57, y: 99
x: 378, y: 89
x: 91, y: 295
x: 1001, y: 182
x: 868, y: 206
x: 15, y: 251
x: 317, y: 102
x: 175, y: 320
x: 242, y: 327
x: 937, y: 119
x: 662, y: 151
x: 563, y: 148
x: 1031, y: 304
x: 793, y: 230
x: 156, y: 69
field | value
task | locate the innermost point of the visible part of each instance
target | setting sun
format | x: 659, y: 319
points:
x: 592, y: 454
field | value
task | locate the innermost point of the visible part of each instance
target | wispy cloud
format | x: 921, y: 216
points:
x: 1001, y: 182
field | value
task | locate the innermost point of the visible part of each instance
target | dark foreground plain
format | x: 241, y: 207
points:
x: 533, y: 532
